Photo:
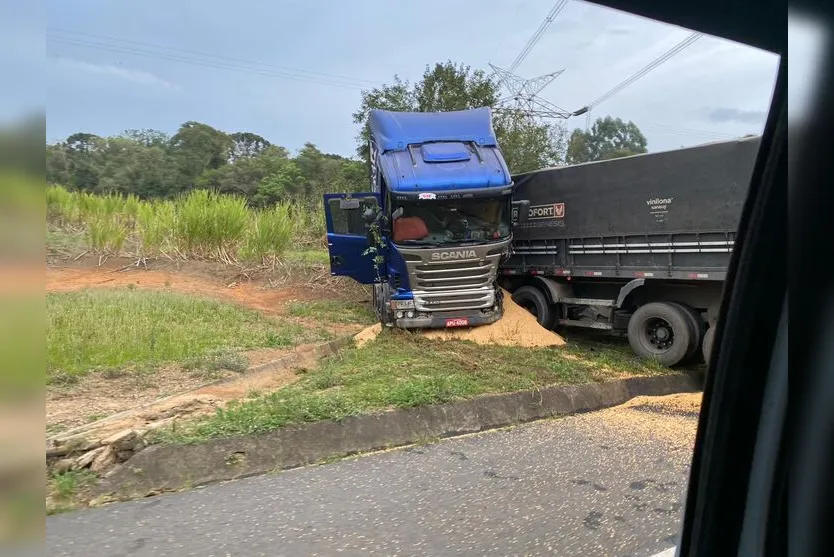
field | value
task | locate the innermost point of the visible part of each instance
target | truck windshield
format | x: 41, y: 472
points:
x: 451, y: 222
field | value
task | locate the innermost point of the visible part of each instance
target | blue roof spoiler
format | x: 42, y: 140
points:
x: 395, y: 131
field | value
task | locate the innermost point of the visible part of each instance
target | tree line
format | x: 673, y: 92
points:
x: 153, y: 164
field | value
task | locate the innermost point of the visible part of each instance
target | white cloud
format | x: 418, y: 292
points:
x: 139, y: 77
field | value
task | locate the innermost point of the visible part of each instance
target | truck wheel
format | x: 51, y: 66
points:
x: 382, y: 310
x: 533, y: 300
x: 661, y: 331
x: 697, y: 327
x: 709, y: 338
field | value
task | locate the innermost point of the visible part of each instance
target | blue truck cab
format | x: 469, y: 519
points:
x: 430, y: 233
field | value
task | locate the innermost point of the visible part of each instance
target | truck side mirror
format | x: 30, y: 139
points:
x: 521, y: 210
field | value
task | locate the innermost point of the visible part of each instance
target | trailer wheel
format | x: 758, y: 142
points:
x: 709, y: 338
x: 533, y: 300
x: 697, y: 327
x: 661, y: 331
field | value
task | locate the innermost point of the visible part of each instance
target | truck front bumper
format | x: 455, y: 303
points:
x: 439, y: 322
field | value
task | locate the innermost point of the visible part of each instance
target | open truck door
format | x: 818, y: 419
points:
x: 347, y: 234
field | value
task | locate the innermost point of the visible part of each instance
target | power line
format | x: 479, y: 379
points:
x: 214, y: 65
x: 234, y: 64
x: 207, y: 55
x: 673, y: 130
x: 646, y: 69
x: 560, y: 4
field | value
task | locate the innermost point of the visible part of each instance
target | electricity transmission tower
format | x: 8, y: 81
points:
x: 523, y: 94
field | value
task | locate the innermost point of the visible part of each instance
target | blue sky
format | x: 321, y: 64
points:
x: 292, y: 71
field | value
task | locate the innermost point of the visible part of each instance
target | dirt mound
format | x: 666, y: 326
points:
x: 518, y: 327
x: 367, y: 334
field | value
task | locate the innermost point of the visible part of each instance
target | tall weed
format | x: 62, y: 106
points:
x: 61, y: 204
x: 210, y: 224
x: 155, y: 223
x: 106, y: 233
x: 199, y: 224
x: 269, y: 234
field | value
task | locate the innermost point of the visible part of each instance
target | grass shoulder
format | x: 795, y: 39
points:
x: 112, y: 329
x: 401, y: 370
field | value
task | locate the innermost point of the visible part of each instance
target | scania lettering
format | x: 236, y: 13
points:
x: 446, y: 255
x: 436, y: 222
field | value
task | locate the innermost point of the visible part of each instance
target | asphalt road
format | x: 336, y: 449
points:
x: 609, y: 483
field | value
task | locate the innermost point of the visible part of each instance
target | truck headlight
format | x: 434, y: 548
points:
x: 399, y: 315
x: 402, y: 304
x: 409, y: 314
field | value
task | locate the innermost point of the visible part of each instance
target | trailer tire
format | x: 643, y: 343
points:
x: 533, y: 300
x: 698, y: 329
x: 709, y: 339
x: 662, y: 331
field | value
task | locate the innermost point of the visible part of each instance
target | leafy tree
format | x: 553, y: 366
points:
x: 58, y: 166
x: 84, y: 158
x: 608, y: 138
x: 526, y: 143
x: 451, y: 86
x: 82, y: 142
x: 284, y: 184
x: 398, y: 96
x: 355, y: 175
x: 246, y: 145
x: 244, y: 176
x: 198, y: 147
x: 148, y: 137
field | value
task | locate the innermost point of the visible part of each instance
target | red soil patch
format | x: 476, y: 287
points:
x: 249, y: 294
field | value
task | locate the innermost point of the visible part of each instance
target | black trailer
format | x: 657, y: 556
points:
x: 638, y: 245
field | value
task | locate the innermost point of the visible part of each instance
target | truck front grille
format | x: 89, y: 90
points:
x: 463, y: 285
x: 460, y: 275
x: 458, y: 285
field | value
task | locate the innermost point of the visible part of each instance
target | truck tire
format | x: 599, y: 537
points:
x: 697, y: 327
x: 709, y: 338
x: 381, y: 309
x: 662, y: 331
x: 533, y: 300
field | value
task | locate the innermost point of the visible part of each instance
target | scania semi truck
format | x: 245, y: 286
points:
x: 636, y: 246
x: 435, y: 224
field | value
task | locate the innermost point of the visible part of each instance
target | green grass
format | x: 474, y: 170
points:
x: 337, y: 311
x: 108, y: 329
x: 66, y: 488
x: 308, y: 257
x: 67, y: 484
x: 65, y: 240
x: 401, y: 370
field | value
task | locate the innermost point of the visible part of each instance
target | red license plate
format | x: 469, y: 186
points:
x: 457, y: 322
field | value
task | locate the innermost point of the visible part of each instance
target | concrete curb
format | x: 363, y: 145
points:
x: 162, y: 468
x: 297, y: 356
